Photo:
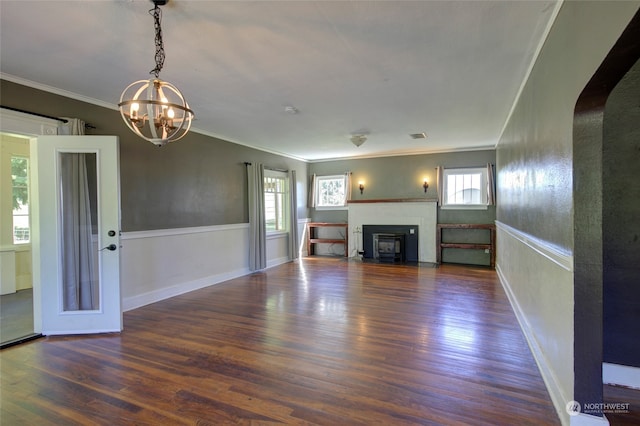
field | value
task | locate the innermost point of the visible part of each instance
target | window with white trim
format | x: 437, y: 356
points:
x: 465, y: 188
x: 331, y: 192
x: 276, y: 200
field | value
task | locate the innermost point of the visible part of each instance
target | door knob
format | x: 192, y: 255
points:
x: 110, y: 247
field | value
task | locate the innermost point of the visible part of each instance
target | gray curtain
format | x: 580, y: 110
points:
x: 491, y: 185
x: 312, y: 191
x: 293, y: 206
x: 73, y: 126
x: 347, y: 187
x: 257, y: 229
x: 80, y: 283
x: 440, y: 184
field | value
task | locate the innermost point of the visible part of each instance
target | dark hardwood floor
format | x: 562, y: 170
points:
x: 320, y: 341
x: 622, y: 395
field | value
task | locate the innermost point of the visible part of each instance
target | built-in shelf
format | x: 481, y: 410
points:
x: 311, y: 236
x: 474, y: 246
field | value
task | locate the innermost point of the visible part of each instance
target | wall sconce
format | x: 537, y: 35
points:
x: 425, y: 185
x: 361, y: 186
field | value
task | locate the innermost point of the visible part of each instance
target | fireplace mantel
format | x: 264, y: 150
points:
x: 412, y: 211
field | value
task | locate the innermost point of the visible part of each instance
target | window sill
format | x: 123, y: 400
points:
x: 274, y: 235
x: 332, y: 208
x: 16, y: 247
x: 465, y: 207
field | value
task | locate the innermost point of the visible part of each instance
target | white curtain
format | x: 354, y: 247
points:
x: 491, y: 185
x: 347, y: 189
x: 293, y: 216
x: 440, y: 184
x: 312, y: 191
x: 79, y: 287
x: 73, y: 126
x: 257, y: 228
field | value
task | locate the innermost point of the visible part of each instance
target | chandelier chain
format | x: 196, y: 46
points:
x: 159, y: 57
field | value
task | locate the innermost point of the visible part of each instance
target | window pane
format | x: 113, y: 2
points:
x: 275, y: 196
x: 464, y: 188
x: 20, y: 193
x: 331, y: 192
x: 270, y: 211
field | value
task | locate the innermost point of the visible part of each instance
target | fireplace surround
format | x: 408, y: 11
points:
x: 421, y: 213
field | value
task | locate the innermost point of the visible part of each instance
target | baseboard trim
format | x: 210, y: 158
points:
x: 140, y: 300
x: 621, y: 375
x: 551, y: 382
x: 275, y: 262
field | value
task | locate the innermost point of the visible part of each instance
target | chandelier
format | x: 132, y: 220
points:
x: 154, y: 109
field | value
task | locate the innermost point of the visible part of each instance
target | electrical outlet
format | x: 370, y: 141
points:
x: 487, y: 251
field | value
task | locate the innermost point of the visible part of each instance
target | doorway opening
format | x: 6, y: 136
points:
x: 605, y: 212
x: 16, y: 281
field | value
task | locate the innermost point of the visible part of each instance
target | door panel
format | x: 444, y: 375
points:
x: 76, y: 221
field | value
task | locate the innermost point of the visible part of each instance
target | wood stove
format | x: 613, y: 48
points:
x: 388, y: 247
x: 390, y: 243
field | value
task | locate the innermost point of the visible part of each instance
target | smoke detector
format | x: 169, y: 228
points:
x: 418, y: 135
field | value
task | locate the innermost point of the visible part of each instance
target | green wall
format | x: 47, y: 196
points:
x: 402, y: 177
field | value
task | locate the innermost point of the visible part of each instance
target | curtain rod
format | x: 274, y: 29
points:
x: 467, y: 167
x: 50, y: 117
x: 247, y: 163
x: 36, y: 114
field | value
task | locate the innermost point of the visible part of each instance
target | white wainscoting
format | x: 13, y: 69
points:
x: 621, y: 375
x: 7, y: 271
x: 277, y: 249
x: 159, y: 264
x: 538, y: 279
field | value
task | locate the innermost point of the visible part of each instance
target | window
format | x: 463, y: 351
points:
x: 276, y: 196
x: 465, y: 188
x: 20, y: 196
x: 331, y: 192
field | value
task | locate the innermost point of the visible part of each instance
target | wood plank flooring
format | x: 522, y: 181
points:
x: 320, y: 341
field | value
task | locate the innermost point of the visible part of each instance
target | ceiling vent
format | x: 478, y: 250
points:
x: 418, y: 135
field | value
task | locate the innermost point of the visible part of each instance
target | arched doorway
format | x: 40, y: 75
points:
x: 591, y: 226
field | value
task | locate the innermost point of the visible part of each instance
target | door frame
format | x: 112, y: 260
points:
x: 29, y: 126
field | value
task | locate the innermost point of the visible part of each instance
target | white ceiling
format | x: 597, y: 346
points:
x: 451, y: 69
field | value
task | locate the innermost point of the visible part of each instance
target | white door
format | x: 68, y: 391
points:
x: 76, y: 224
